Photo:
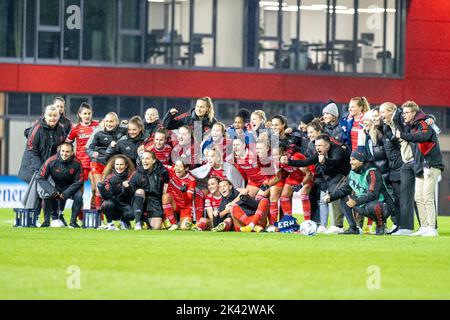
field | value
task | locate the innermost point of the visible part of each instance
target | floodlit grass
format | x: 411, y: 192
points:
x: 34, y: 264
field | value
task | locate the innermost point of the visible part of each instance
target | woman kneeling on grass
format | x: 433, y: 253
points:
x: 116, y: 192
x: 147, y: 184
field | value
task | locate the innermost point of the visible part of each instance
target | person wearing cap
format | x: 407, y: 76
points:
x: 331, y: 121
x: 366, y: 191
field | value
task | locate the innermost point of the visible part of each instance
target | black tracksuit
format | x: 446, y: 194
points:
x: 42, y: 143
x: 152, y: 182
x: 117, y: 204
x: 151, y: 128
x: 128, y: 147
x: 225, y: 200
x: 368, y: 204
x: 100, y: 141
x: 68, y: 178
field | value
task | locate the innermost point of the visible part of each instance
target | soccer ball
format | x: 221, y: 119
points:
x: 308, y: 228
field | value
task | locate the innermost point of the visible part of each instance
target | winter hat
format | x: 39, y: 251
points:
x: 368, y: 116
x: 331, y: 108
x: 307, y: 118
x: 358, y: 155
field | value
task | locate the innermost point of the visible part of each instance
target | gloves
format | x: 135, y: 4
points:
x: 183, y: 188
x: 297, y: 187
x: 264, y: 187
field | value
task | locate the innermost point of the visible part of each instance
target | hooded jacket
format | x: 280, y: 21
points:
x: 42, y: 143
x: 66, y: 174
x: 425, y: 143
x: 232, y: 174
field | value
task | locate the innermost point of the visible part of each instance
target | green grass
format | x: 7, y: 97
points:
x: 189, y: 265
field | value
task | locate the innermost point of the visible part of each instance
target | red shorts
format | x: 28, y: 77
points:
x: 97, y: 168
x: 258, y: 185
x: 86, y: 172
x: 293, y: 182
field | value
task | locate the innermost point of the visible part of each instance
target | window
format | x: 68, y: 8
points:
x: 99, y: 30
x: 18, y: 104
x: 130, y: 107
x: 71, y: 50
x: 36, y: 106
x: 11, y: 16
x: 49, y: 29
x: 130, y: 31
x: 103, y: 105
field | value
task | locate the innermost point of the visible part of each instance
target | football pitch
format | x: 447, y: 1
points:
x: 98, y: 264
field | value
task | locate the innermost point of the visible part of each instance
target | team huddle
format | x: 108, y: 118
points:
x: 190, y: 172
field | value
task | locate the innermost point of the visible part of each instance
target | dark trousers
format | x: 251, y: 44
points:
x: 396, y: 187
x: 115, y: 210
x: 407, y: 190
x: 53, y: 206
x: 375, y: 210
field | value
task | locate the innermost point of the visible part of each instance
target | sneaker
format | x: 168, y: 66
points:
x: 56, y: 224
x: 246, y: 229
x: 37, y: 224
x: 392, y: 230
x: 74, y: 225
x: 381, y: 230
x: 173, y: 227
x: 321, y: 229
x: 354, y: 230
x: 430, y: 232
x: 124, y: 225
x: 220, y: 227
x: 137, y: 226
x: 195, y: 228
x: 258, y: 228
x: 334, y: 230
x: 166, y: 224
x: 112, y: 227
x: 46, y: 224
x: 402, y: 232
x: 419, y: 232
x: 271, y: 229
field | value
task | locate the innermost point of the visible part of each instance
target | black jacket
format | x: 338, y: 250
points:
x: 67, y: 175
x: 112, y: 188
x: 151, y: 128
x: 376, y: 153
x: 334, y: 131
x: 63, y: 121
x: 393, y: 154
x: 173, y: 122
x: 152, y: 182
x: 424, y: 142
x: 100, y: 141
x: 42, y: 143
x: 127, y: 146
x: 337, y: 162
x: 375, y: 185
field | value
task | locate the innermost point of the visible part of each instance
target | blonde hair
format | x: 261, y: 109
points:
x: 210, y: 106
x: 114, y: 115
x: 389, y: 106
x: 412, y: 105
x: 221, y: 125
x: 261, y: 114
x: 137, y: 121
x: 362, y: 102
x: 51, y: 108
x: 154, y: 110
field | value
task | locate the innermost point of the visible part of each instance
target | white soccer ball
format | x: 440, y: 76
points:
x: 308, y: 228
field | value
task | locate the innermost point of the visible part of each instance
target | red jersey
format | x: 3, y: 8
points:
x: 212, y: 201
x: 81, y: 133
x: 162, y: 155
x: 253, y: 170
x: 295, y: 172
x: 356, y: 129
x: 182, y: 199
x: 217, y: 173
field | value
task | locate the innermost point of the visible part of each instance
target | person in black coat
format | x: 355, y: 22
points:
x: 66, y: 171
x: 129, y: 144
x: 116, y: 192
x: 151, y: 122
x: 43, y: 140
x: 108, y: 133
x: 147, y: 184
x: 202, y: 113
